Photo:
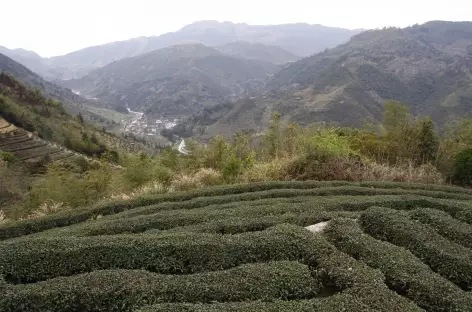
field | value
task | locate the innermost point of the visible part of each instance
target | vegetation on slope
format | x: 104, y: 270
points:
x: 178, y: 80
x: 299, y: 39
x: 73, y: 103
x: 35, y: 131
x: 401, y: 149
x: 427, y: 67
x: 258, y: 51
x: 195, y: 266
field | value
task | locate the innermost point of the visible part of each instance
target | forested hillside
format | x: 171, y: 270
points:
x: 73, y: 103
x: 37, y: 132
x: 178, y: 80
x: 258, y: 51
x: 427, y: 67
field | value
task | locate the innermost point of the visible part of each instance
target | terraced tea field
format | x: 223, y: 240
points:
x: 385, y: 247
x: 27, y: 147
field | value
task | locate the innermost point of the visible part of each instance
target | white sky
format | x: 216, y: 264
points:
x: 55, y: 27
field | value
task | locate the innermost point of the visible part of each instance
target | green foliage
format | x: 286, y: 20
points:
x: 141, y: 169
x: 395, y: 116
x: 404, y: 272
x: 428, y: 141
x: 7, y: 157
x: 463, y: 168
x: 74, y: 189
x: 226, y: 249
x: 274, y: 137
x: 24, y: 262
x: 122, y: 290
x: 457, y: 231
x: 450, y: 260
x: 172, y: 201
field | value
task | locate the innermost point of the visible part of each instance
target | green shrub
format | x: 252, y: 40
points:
x: 404, y: 272
x: 463, y: 168
x: 25, y: 227
x: 450, y: 260
x: 122, y: 290
x: 6, y: 156
x: 444, y: 224
x: 42, y: 258
x: 160, y: 216
x: 360, y: 284
x: 248, y: 223
x: 338, y: 303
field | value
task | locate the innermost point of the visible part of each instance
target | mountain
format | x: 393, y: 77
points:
x: 176, y: 81
x: 297, y: 39
x: 73, y: 103
x: 428, y: 67
x: 258, y: 51
x: 32, y: 79
x: 29, y: 59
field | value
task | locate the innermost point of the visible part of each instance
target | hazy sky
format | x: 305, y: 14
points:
x: 55, y: 27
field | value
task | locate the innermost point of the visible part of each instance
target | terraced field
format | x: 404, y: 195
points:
x: 385, y: 247
x: 27, y: 147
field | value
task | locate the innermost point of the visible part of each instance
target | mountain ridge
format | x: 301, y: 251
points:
x: 176, y: 80
x: 299, y: 39
x: 428, y: 67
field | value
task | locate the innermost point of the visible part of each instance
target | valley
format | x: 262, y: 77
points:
x: 141, y: 125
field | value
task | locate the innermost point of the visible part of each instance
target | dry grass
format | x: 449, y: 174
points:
x: 269, y: 171
x: 48, y: 207
x: 150, y: 188
x: 3, y: 217
x: 203, y: 177
x: 403, y: 173
x: 342, y: 168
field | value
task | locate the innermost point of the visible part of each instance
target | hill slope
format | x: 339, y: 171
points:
x: 258, y: 51
x: 47, y: 118
x: 178, y: 80
x: 73, y: 103
x: 245, y: 248
x: 428, y: 67
x: 298, y: 39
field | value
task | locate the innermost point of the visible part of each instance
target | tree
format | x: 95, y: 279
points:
x: 463, y: 168
x: 273, y: 136
x: 428, y: 141
x: 396, y: 116
x: 80, y: 118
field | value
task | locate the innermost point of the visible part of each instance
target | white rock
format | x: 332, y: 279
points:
x: 316, y: 228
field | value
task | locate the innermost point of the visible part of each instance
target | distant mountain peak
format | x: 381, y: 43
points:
x: 298, y: 39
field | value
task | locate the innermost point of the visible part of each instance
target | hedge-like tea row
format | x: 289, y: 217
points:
x: 235, y: 225
x: 167, y: 219
x: 287, y: 193
x: 61, y: 219
x: 453, y: 229
x: 25, y: 227
x: 122, y: 290
x: 336, y: 303
x: 251, y: 306
x: 404, y: 272
x: 445, y: 257
x: 42, y: 258
x: 359, y: 283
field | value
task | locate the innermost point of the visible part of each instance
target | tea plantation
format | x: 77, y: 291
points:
x: 386, y: 247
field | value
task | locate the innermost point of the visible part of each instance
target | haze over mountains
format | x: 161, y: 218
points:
x: 223, y: 77
x: 297, y: 39
x: 428, y: 67
x: 179, y: 80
